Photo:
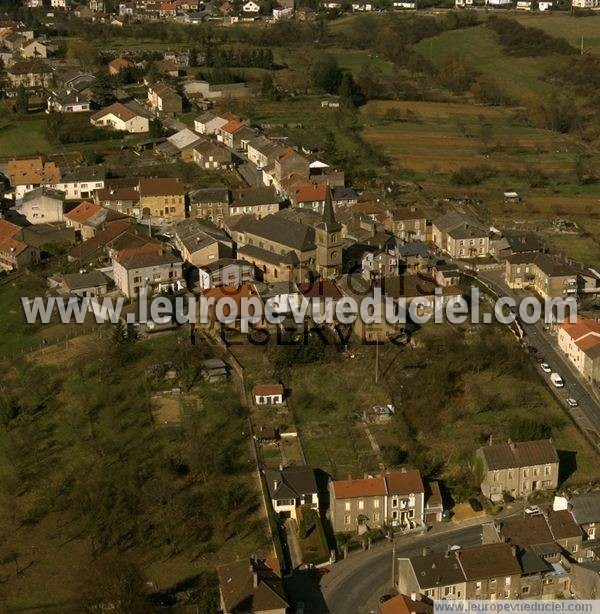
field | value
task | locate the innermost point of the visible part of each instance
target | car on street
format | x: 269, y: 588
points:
x: 545, y: 367
x: 533, y: 510
x: 571, y: 402
x: 557, y: 380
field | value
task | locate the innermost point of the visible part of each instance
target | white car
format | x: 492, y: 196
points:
x: 545, y: 367
x: 533, y: 510
x: 572, y: 402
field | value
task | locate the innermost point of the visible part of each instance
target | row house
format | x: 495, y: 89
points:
x: 150, y: 268
x: 200, y: 242
x: 210, y: 203
x: 81, y: 182
x: 162, y: 197
x: 88, y: 218
x: 15, y: 253
x: 580, y: 341
x: 517, y: 468
x: 486, y: 572
x: 30, y: 74
x: 406, y: 223
x: 393, y: 498
x: 212, y: 156
x: 260, y: 201
x: 225, y: 272
x: 30, y: 173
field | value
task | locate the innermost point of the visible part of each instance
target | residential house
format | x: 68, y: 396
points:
x: 67, y: 101
x: 209, y: 123
x: 32, y: 49
x: 31, y: 173
x: 119, y: 64
x: 586, y: 4
x: 162, y: 197
x: 547, y: 276
x: 407, y: 223
x: 376, y: 263
x: 210, y: 203
x: 42, y: 206
x: 150, y: 268
x: 343, y: 197
x: 395, y: 498
x: 268, y: 394
x: 245, y: 312
x: 81, y: 182
x: 460, y: 236
x: 261, y: 151
x: 117, y: 116
x: 123, y: 197
x: 585, y: 509
x: 403, y: 604
x: 586, y: 576
x: 260, y: 202
x: 288, y: 162
x: 225, y: 272
x: 515, y: 243
x: 486, y: 572
x: 164, y: 99
x: 15, y: 253
x: 580, y: 341
x: 235, y: 135
x: 253, y: 586
x: 87, y: 218
x: 290, y: 488
x: 211, y: 156
x: 518, y: 469
x: 30, y: 74
x: 87, y: 284
x: 200, y: 242
x: 311, y: 196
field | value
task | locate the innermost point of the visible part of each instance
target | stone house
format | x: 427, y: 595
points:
x: 518, y: 469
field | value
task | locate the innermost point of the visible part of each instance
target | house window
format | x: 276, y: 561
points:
x: 547, y: 470
x: 347, y: 519
x: 524, y: 590
x: 507, y: 581
x: 361, y: 505
x: 376, y: 503
x: 376, y: 516
x: 347, y: 506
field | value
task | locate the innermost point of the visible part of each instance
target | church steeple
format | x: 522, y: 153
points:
x: 329, y: 242
x: 329, y: 222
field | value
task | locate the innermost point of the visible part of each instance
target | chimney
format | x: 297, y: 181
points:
x: 275, y: 484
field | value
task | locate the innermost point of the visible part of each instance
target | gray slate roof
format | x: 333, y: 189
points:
x: 585, y: 508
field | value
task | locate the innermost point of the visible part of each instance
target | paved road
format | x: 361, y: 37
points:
x: 355, y: 584
x: 587, y: 415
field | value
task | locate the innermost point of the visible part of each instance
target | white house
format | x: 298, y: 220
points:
x: 119, y: 117
x: 292, y: 487
x: 81, y: 182
x: 267, y: 394
x: 209, y: 123
x: 42, y: 206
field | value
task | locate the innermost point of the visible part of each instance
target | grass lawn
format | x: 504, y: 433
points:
x: 24, y: 137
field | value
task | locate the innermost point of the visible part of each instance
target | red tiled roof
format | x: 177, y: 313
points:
x: 267, y: 389
x: 231, y: 126
x: 311, y: 192
x: 365, y: 487
x: 402, y: 604
x: 404, y: 482
x: 167, y: 186
x: 83, y: 211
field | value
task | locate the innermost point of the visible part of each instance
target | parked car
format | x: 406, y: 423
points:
x: 545, y: 367
x: 572, y: 402
x: 475, y: 504
x: 533, y: 510
x: 557, y: 380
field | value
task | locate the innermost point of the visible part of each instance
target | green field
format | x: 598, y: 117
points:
x: 518, y: 77
x: 23, y: 137
x: 565, y: 26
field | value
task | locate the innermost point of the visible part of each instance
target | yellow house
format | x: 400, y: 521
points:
x: 162, y: 197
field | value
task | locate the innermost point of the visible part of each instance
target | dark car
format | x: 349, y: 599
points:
x: 475, y: 504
